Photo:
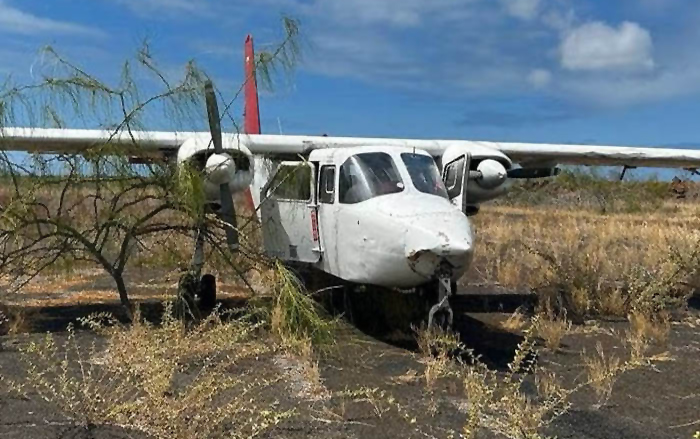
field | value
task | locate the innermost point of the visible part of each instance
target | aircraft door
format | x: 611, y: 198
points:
x: 455, y: 174
x: 327, y: 216
x: 289, y: 213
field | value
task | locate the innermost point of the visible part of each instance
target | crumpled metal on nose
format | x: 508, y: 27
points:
x: 425, y: 250
x: 436, y: 242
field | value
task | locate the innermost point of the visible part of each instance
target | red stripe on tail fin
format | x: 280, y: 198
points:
x: 251, y: 114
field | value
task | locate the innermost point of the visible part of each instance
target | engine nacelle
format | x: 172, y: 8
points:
x: 235, y: 166
x: 491, y: 174
x: 487, y: 180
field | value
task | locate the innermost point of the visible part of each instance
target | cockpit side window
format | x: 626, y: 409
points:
x: 368, y: 175
x: 424, y: 174
x: 327, y: 185
x: 454, y: 175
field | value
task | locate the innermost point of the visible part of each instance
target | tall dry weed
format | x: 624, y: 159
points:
x: 437, y: 347
x: 500, y: 404
x: 295, y: 316
x: 166, y: 381
x: 552, y: 329
x: 602, y: 371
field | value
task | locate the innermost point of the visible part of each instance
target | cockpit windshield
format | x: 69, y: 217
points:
x: 424, y: 174
x: 368, y: 175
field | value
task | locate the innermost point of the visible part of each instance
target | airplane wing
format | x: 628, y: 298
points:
x: 535, y: 154
x: 67, y: 141
x: 150, y: 143
x: 526, y: 154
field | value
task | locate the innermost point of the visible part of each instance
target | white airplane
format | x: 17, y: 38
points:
x: 375, y: 211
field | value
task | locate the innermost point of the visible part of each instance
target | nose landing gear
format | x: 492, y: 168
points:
x: 441, y: 313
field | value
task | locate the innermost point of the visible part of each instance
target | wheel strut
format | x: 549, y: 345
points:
x: 443, y: 305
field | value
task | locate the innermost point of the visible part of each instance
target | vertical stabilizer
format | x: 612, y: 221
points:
x: 251, y: 111
x: 251, y: 115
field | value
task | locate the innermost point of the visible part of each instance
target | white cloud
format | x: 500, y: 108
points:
x: 157, y: 8
x: 595, y: 46
x: 539, y: 78
x: 559, y: 19
x: 365, y: 56
x: 393, y: 13
x: 675, y: 80
x: 13, y: 20
x: 522, y: 9
x: 372, y: 11
x: 471, y: 47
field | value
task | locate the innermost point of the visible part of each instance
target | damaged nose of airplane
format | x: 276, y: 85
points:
x: 427, y: 247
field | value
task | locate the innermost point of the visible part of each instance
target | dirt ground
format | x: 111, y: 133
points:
x: 658, y: 402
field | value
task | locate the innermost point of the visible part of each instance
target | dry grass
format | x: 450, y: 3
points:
x: 94, y: 286
x: 588, y: 262
x: 654, y: 328
x: 166, y: 381
x: 515, y: 322
x: 437, y: 348
x: 306, y: 372
x: 602, y: 371
x: 15, y: 320
x: 19, y: 321
x: 552, y: 330
x: 295, y: 316
x: 500, y: 405
x: 3, y: 320
x: 614, y: 303
x: 645, y: 331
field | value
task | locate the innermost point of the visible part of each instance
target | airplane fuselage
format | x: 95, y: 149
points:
x: 369, y: 215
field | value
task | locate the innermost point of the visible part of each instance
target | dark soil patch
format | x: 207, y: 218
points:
x: 375, y: 388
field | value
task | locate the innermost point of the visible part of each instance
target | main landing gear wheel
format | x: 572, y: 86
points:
x: 441, y: 313
x: 207, y: 291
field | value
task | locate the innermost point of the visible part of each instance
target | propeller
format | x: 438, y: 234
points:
x: 227, y: 212
x: 533, y: 172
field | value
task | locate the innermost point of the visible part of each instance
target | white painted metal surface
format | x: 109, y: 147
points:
x: 393, y: 240
x: 288, y: 223
x: 69, y: 140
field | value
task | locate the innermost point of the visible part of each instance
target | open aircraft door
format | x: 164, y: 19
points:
x: 289, y: 213
x: 455, y: 174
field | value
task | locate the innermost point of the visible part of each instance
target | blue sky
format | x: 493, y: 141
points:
x: 608, y: 72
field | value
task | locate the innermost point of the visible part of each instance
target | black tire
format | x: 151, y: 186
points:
x: 207, y: 291
x: 187, y: 288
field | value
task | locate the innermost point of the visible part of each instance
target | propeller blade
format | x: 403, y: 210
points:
x: 214, y: 118
x: 533, y: 172
x: 227, y: 213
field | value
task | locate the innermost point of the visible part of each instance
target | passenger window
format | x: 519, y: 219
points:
x: 454, y: 175
x: 327, y: 185
x: 292, y: 183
